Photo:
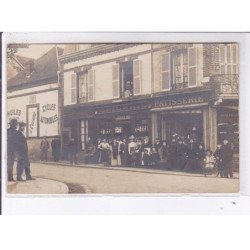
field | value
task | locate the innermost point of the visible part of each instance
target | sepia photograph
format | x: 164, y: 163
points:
x: 122, y: 118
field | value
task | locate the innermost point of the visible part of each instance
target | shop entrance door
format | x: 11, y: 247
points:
x: 184, y: 125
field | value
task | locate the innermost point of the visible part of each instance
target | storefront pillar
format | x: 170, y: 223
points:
x: 154, y: 127
x: 210, y: 128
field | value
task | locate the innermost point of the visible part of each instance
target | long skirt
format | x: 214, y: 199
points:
x: 104, y: 156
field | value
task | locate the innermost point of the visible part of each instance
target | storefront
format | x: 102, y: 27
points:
x: 187, y: 114
x: 156, y: 117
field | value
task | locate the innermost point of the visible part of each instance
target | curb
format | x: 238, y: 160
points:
x: 138, y: 170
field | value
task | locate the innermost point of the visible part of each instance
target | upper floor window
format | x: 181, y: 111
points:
x: 126, y: 77
x: 86, y: 86
x: 83, y: 87
x: 229, y: 59
x: 179, y: 69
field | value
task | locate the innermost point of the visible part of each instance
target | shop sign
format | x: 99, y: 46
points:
x: 123, y: 117
x: 49, y: 109
x: 180, y: 101
x: 125, y: 108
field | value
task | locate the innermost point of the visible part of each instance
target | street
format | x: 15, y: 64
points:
x: 137, y: 180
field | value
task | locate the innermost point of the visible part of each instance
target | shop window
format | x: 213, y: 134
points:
x: 228, y: 127
x: 229, y: 59
x: 73, y: 88
x: 84, y: 133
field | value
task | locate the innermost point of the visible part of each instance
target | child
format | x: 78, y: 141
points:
x: 208, y: 163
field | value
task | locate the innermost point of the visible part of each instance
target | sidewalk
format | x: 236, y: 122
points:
x: 38, y: 186
x: 130, y: 169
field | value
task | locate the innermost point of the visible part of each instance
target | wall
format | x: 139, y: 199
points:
x: 16, y: 108
x: 103, y: 79
x: 108, y: 56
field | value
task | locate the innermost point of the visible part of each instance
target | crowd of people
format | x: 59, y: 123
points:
x: 185, y: 153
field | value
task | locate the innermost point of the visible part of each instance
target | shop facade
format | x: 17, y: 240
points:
x: 153, y: 90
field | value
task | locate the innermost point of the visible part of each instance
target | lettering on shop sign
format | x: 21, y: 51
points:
x: 122, y: 117
x: 134, y: 107
x: 48, y: 107
x: 179, y: 101
x: 51, y: 119
x: 16, y: 112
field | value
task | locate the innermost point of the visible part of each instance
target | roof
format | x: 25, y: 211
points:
x: 13, y: 68
x: 37, y: 71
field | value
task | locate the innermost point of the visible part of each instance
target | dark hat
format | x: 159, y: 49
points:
x: 22, y: 124
x: 13, y: 122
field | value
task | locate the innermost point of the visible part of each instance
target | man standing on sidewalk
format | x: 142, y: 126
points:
x: 11, y: 147
x: 226, y: 157
x: 23, y: 162
x: 73, y: 151
x: 44, y: 147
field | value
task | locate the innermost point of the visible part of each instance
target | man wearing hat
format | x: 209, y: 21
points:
x: 23, y: 162
x: 11, y: 147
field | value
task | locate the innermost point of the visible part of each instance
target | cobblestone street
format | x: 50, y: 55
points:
x: 133, y: 180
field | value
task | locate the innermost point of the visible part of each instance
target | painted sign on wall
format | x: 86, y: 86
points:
x: 32, y: 126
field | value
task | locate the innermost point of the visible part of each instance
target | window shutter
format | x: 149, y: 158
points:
x: 91, y: 85
x: 228, y: 54
x: 192, y: 67
x: 235, y: 58
x: 165, y: 65
x: 115, y: 81
x: 137, y: 76
x: 73, y: 87
x: 222, y: 59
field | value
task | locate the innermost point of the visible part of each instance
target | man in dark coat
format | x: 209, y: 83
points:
x: 226, y: 157
x: 11, y: 147
x: 192, y: 163
x: 123, y: 152
x: 23, y: 162
x: 73, y: 151
x: 56, y: 149
x: 217, y: 155
x: 44, y: 147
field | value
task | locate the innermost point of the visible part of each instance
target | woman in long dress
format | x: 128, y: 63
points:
x: 105, y: 150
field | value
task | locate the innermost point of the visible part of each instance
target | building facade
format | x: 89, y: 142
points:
x: 33, y: 96
x: 155, y: 90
